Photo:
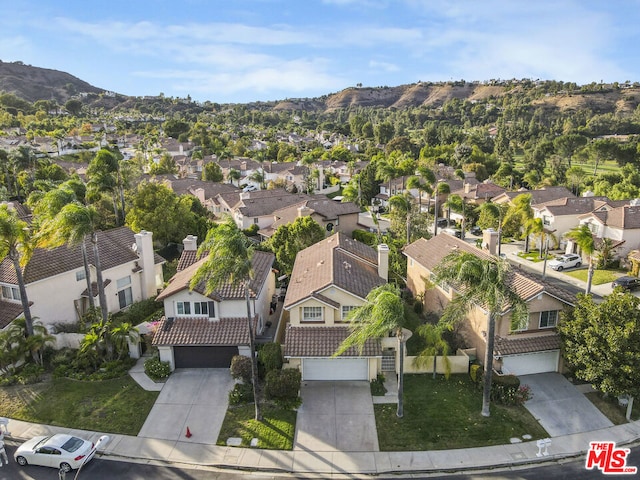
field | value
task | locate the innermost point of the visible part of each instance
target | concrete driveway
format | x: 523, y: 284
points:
x: 559, y: 407
x: 194, y: 398
x: 336, y: 416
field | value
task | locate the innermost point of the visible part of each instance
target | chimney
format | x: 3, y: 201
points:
x: 304, y: 211
x: 490, y: 240
x: 383, y: 261
x: 467, y: 187
x: 190, y: 242
x: 144, y: 248
x: 199, y: 192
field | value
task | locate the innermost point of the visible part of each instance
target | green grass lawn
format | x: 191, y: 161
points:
x: 609, y: 406
x: 533, y: 256
x: 445, y: 414
x: 111, y: 406
x: 599, y: 276
x: 275, y: 432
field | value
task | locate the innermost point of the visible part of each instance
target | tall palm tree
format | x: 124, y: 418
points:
x: 234, y: 175
x: 50, y: 235
x: 485, y: 283
x: 416, y: 183
x: 16, y: 244
x: 402, y: 204
x: 583, y: 237
x: 74, y: 223
x: 228, y: 261
x: 382, y: 313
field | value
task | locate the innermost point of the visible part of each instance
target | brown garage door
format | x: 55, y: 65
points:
x: 204, y: 357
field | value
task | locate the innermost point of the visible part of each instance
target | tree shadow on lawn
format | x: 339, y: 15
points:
x: 445, y: 414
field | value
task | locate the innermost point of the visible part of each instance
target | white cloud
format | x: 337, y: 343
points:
x: 383, y: 66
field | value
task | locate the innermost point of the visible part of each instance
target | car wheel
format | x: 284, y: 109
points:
x: 578, y: 265
x: 21, y: 461
x: 65, y: 466
x: 559, y: 269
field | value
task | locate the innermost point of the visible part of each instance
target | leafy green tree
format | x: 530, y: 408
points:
x: 401, y: 207
x: 158, y: 209
x: 175, y: 127
x: 291, y: 238
x: 16, y: 244
x: 74, y: 107
x: 435, y: 344
x: 601, y: 341
x: 583, y: 237
x: 486, y: 283
x: 212, y: 172
x: 381, y: 314
x: 105, y: 177
x: 166, y: 165
x: 383, y: 132
x: 234, y: 176
x: 228, y: 261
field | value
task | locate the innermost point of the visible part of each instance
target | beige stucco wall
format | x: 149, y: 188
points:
x: 457, y: 364
x: 331, y: 315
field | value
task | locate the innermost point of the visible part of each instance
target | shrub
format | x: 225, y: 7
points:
x: 504, y: 388
x: 156, y: 369
x: 418, y: 307
x: 138, y: 312
x: 475, y: 372
x: 241, y: 393
x: 368, y: 238
x: 270, y: 355
x: 252, y: 230
x: 30, y: 373
x: 377, y: 386
x: 283, y: 384
x: 241, y: 368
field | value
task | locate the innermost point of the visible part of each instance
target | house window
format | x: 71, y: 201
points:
x: 546, y: 220
x: 548, y: 319
x: 312, y: 314
x: 205, y: 309
x: 345, y: 310
x: 10, y: 293
x: 183, y: 308
x: 80, y: 275
x: 255, y: 220
x: 125, y: 294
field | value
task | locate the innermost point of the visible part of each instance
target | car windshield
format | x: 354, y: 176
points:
x: 44, y: 440
x: 73, y: 444
x: 560, y: 259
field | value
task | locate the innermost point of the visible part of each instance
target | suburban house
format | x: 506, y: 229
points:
x: 56, y: 283
x: 619, y: 224
x: 207, y: 331
x: 329, y: 279
x: 533, y: 347
x: 331, y: 215
x: 257, y: 207
x: 561, y: 215
x: 476, y: 192
x: 541, y: 195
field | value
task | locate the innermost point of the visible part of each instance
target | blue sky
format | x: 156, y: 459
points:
x: 247, y: 50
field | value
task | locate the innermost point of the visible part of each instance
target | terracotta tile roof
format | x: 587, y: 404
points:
x: 626, y: 217
x: 187, y: 258
x: 572, y: 205
x: 9, y: 311
x: 429, y: 253
x: 301, y: 341
x: 261, y: 263
x: 264, y: 202
x: 526, y: 344
x: 202, y: 331
x: 337, y: 260
x: 114, y: 246
x: 542, y: 195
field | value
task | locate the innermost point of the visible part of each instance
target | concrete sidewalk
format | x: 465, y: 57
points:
x: 335, y: 463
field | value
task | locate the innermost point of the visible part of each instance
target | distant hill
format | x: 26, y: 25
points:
x: 34, y: 83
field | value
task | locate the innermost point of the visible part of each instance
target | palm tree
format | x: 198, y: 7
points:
x: 434, y: 345
x: 229, y: 262
x: 441, y: 188
x: 382, y: 313
x: 50, y: 235
x: 417, y: 184
x: 583, y: 237
x: 234, y: 175
x: 486, y: 283
x: 402, y: 204
x: 75, y: 222
x: 121, y: 335
x: 15, y: 243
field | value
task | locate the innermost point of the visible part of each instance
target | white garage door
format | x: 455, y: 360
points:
x: 335, y: 369
x: 528, y: 363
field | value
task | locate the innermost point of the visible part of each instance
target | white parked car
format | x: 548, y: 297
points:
x: 61, y: 451
x: 569, y: 260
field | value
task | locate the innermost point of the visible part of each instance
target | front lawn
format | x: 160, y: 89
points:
x: 599, y: 276
x: 611, y: 409
x: 445, y: 414
x: 111, y: 406
x: 533, y: 256
x: 275, y: 432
